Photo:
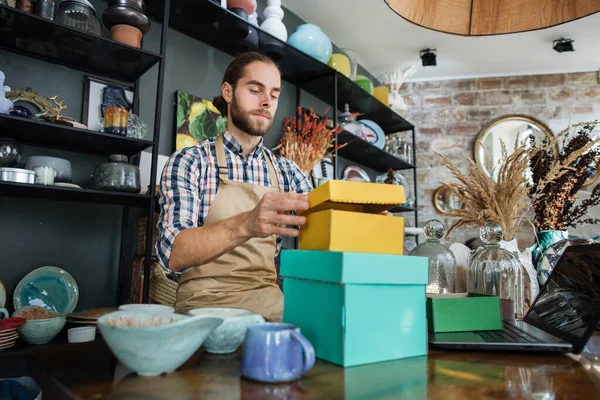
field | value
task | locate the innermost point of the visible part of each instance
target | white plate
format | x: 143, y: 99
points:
x: 69, y: 185
x: 146, y: 307
x: 357, y: 174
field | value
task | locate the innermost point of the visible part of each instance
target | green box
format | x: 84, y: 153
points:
x: 357, y: 308
x: 463, y: 312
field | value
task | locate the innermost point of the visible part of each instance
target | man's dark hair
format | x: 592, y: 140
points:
x: 235, y: 71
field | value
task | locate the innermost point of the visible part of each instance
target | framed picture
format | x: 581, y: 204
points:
x: 99, y: 94
x: 196, y: 120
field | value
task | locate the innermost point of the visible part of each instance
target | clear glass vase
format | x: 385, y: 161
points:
x: 442, y: 263
x: 496, y: 271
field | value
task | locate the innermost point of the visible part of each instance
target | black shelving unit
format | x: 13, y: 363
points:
x: 73, y: 194
x: 205, y: 21
x: 50, y: 41
x: 36, y: 37
x: 365, y: 153
x: 40, y: 133
x: 208, y: 22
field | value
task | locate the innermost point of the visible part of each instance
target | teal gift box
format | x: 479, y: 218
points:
x: 357, y: 308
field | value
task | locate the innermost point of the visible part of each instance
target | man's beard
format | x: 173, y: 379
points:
x: 242, y: 119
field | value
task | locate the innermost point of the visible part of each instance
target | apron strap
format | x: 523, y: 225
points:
x: 221, y: 159
x: 272, y: 174
x: 224, y: 170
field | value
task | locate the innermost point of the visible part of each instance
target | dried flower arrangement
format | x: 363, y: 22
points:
x: 503, y: 201
x: 307, y: 141
x: 558, y: 177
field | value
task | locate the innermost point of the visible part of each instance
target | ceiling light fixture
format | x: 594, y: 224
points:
x: 562, y: 45
x: 485, y: 17
x: 428, y: 57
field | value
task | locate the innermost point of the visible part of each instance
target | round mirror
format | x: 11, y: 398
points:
x: 445, y: 200
x: 501, y: 135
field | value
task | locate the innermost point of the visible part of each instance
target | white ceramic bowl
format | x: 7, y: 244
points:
x: 146, y: 307
x: 60, y: 165
x: 231, y: 333
x: 82, y: 334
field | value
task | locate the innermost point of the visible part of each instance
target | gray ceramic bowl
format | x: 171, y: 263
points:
x: 62, y: 166
x: 231, y: 333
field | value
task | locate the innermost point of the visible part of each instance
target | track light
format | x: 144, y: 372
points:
x: 428, y: 57
x: 562, y: 45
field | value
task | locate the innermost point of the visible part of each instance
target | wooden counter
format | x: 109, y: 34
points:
x: 89, y: 371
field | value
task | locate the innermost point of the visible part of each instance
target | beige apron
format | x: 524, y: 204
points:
x: 244, y: 277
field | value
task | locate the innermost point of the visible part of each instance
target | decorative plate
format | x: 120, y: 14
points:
x: 2, y: 295
x: 49, y: 287
x: 373, y: 133
x: 354, y: 173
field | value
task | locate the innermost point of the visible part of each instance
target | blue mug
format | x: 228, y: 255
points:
x: 276, y: 352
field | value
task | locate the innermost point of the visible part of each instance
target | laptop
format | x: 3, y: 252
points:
x: 561, y: 319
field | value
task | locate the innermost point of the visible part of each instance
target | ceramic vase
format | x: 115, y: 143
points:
x: 310, y: 39
x: 545, y: 239
x: 273, y: 23
x: 126, y: 21
x: 248, y: 5
x: 552, y: 254
x: 5, y: 104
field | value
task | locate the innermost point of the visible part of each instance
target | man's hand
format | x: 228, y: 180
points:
x: 269, y: 218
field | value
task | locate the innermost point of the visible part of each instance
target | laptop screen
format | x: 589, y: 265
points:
x: 568, y: 305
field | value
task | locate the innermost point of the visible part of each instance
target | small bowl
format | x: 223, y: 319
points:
x: 40, y: 331
x: 153, y: 343
x: 146, y: 307
x: 231, y: 333
x: 60, y: 165
x: 82, y: 334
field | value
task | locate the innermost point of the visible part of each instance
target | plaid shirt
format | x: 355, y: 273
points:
x: 190, y: 181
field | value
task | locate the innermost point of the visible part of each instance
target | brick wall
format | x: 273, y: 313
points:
x: 450, y: 114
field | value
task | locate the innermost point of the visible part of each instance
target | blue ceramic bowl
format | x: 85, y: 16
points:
x: 152, y: 343
x: 231, y: 333
x: 40, y: 331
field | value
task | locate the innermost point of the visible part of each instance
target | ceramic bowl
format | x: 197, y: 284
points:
x: 81, y: 334
x: 152, y: 343
x: 231, y: 333
x: 146, y: 307
x: 40, y: 331
x: 60, y: 165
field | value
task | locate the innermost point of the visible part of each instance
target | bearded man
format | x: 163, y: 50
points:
x: 226, y: 202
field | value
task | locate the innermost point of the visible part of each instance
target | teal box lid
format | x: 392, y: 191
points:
x: 354, y: 268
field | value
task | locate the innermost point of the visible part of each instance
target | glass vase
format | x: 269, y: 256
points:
x: 497, y: 271
x: 442, y: 263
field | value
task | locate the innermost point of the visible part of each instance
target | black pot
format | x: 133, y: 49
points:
x: 232, y: 28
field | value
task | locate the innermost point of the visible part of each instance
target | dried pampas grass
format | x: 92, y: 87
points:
x: 503, y: 201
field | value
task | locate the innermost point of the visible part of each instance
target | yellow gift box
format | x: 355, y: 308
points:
x: 346, y: 216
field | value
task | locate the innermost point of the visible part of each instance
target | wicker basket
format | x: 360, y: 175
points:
x: 162, y: 289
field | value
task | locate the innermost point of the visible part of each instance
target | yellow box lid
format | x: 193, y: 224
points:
x: 363, y: 197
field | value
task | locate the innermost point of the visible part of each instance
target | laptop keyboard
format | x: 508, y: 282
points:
x: 510, y: 334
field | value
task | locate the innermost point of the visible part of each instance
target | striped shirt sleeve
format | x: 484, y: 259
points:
x: 179, y: 202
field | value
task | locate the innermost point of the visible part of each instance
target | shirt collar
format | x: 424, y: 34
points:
x: 234, y: 146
